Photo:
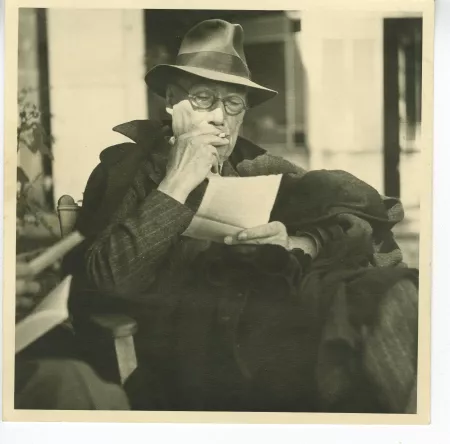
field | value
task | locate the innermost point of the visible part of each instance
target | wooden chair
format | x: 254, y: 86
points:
x: 107, y: 339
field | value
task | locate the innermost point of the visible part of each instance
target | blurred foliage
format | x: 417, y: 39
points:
x: 36, y: 224
x: 32, y: 136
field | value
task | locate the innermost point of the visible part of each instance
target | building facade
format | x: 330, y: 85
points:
x: 349, y: 90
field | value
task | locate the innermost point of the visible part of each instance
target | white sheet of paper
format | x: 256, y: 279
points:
x: 231, y: 204
x: 52, y: 311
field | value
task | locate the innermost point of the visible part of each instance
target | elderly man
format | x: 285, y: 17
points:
x: 304, y: 313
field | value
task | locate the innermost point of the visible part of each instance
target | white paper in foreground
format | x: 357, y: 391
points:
x: 231, y: 204
x: 52, y: 311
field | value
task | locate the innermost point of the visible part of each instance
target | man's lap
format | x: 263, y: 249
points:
x: 390, y: 352
x: 64, y: 384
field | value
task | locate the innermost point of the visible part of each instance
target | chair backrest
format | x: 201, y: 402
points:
x: 120, y: 328
x: 67, y: 214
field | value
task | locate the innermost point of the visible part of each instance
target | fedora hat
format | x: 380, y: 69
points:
x: 214, y: 50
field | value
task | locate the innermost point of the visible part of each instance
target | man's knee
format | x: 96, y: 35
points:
x: 390, y: 351
x: 65, y: 385
x: 400, y: 301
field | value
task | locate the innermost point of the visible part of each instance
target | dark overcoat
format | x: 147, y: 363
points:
x: 226, y: 328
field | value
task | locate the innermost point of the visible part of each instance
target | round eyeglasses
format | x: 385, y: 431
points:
x: 205, y: 99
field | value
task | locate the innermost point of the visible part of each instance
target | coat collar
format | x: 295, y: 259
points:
x: 147, y: 131
x: 140, y: 131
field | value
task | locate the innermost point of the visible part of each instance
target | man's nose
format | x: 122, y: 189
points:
x: 217, y: 115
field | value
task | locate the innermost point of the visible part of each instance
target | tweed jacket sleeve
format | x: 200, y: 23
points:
x: 124, y: 256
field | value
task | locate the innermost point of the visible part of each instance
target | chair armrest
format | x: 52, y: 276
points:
x: 107, y: 343
x: 114, y: 325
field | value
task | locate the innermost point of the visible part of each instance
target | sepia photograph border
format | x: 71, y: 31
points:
x: 423, y: 7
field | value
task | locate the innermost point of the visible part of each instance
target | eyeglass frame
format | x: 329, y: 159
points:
x: 216, y: 99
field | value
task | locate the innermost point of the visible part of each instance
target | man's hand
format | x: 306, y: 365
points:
x: 274, y: 233
x: 26, y: 287
x: 185, y: 118
x: 191, y: 158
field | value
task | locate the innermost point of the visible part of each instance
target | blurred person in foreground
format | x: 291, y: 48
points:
x: 56, y: 383
x: 310, y: 312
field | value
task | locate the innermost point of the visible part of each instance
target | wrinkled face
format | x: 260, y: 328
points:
x: 224, y: 105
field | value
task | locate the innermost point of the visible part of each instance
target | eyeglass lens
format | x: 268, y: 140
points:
x: 206, y: 99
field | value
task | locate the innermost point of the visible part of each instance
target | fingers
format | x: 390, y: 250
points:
x: 185, y: 119
x: 28, y: 256
x: 211, y: 139
x: 215, y: 165
x: 229, y: 240
x: 204, y: 129
x: 24, y: 302
x: 184, y: 109
x: 181, y: 118
x: 262, y: 231
x: 207, y: 156
x: 26, y: 287
x: 271, y: 233
x: 187, y: 123
x: 23, y: 269
x: 271, y: 240
x: 355, y: 225
x: 24, y: 284
x: 207, y: 149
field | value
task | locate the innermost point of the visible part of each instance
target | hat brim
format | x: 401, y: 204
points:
x: 160, y: 76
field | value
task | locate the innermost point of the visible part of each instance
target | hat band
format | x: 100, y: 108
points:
x: 215, y: 61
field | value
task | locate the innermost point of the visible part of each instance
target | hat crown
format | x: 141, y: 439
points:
x: 217, y: 36
x: 214, y: 50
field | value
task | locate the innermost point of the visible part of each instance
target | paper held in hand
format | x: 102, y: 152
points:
x: 231, y: 204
